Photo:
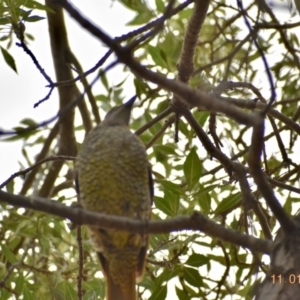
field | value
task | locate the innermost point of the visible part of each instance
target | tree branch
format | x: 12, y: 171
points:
x: 260, y: 178
x: 186, y: 62
x: 196, y: 221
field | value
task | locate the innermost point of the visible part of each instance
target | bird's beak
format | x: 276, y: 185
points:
x: 130, y: 102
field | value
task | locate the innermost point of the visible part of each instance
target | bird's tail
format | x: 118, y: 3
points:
x: 120, y: 292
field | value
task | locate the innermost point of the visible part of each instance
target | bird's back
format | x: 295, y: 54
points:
x: 113, y: 169
x: 113, y: 175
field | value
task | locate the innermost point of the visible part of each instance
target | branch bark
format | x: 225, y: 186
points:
x: 196, y: 221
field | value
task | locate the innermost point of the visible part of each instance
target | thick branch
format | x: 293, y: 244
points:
x: 59, y: 47
x: 261, y: 180
x: 195, y: 222
x: 186, y: 62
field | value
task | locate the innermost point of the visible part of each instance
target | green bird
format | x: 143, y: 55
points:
x: 114, y: 178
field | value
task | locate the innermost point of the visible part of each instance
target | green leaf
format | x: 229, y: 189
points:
x: 168, y: 205
x: 64, y: 290
x: 160, y: 6
x: 5, y: 20
x: 228, y: 203
x: 181, y: 294
x: 29, y: 36
x: 4, y: 38
x: 8, y: 254
x: 26, y: 293
x: 197, y: 260
x: 165, y: 276
x: 45, y: 246
x: 19, y: 284
x: 29, y: 122
x: 204, y: 190
x: 94, y: 287
x: 192, y: 276
x: 162, y: 152
x: 160, y: 293
x: 203, y: 197
x: 201, y: 116
x: 184, y: 128
x: 25, y: 14
x: 34, y: 19
x: 104, y: 80
x: 157, y: 56
x: 172, y: 187
x: 141, y: 18
x: 192, y: 168
x: 219, y: 259
x: 101, y: 98
x: 9, y: 59
x: 204, y: 202
x: 20, y: 134
x: 10, y: 186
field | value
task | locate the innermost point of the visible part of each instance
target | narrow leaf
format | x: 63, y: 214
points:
x: 9, y: 59
x: 197, y: 260
x: 228, y: 203
x: 192, y: 277
x: 192, y: 168
x: 8, y: 254
x: 159, y: 293
x: 34, y: 19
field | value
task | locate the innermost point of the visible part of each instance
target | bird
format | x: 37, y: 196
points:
x: 114, y: 177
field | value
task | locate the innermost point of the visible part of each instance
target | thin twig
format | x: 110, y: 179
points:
x: 23, y: 172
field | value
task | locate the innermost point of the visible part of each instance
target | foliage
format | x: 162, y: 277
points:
x: 13, y: 15
x: 39, y: 252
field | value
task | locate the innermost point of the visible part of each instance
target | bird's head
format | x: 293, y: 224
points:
x: 119, y: 115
